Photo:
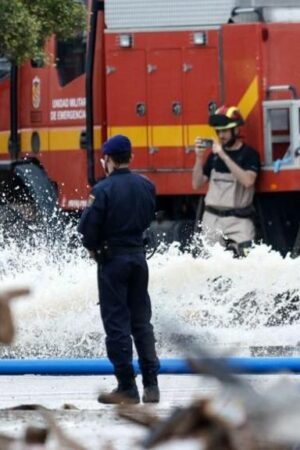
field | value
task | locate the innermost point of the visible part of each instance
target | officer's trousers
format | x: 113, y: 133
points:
x: 126, y: 311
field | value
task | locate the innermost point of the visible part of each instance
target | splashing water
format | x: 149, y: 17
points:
x: 233, y: 304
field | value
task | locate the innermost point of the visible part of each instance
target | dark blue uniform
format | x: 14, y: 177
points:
x: 122, y: 207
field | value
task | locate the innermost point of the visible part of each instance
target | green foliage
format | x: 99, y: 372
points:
x: 25, y: 25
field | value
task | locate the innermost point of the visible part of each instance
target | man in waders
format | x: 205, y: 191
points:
x: 231, y: 170
x: 121, y: 207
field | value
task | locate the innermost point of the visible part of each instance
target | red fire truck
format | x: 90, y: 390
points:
x: 153, y: 71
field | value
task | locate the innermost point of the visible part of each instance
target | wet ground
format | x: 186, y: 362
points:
x: 93, y: 425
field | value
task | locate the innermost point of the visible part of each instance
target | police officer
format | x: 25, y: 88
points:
x: 231, y: 170
x: 120, y: 209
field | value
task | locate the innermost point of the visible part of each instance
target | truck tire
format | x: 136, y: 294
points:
x: 29, y: 202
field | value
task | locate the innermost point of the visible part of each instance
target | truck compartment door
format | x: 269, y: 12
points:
x: 201, y: 83
x: 165, y: 108
x: 126, y: 100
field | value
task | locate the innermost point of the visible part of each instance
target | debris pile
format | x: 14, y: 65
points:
x: 264, y: 421
x: 34, y: 435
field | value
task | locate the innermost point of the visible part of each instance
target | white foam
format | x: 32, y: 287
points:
x: 228, y: 302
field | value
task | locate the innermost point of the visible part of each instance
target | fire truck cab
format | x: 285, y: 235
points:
x: 154, y: 71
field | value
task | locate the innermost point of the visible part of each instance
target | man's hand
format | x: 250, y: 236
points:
x: 217, y: 149
x: 198, y: 178
x: 200, y: 146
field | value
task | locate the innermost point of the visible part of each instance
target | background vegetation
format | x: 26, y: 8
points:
x: 25, y: 25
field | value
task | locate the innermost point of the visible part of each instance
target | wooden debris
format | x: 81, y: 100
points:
x: 65, y: 441
x: 108, y: 446
x: 142, y: 416
x: 37, y: 407
x: 7, y: 329
x: 24, y: 407
x: 195, y: 421
x: 69, y: 406
x: 36, y: 435
x: 200, y: 422
x: 6, y: 442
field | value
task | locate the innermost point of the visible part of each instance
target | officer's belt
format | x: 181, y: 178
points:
x: 126, y: 250
x: 112, y: 250
x: 248, y: 211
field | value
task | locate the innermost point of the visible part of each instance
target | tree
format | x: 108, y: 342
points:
x: 25, y: 25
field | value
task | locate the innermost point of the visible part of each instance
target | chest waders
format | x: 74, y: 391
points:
x: 228, y: 214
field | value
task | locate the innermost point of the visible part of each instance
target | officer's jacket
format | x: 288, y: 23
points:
x: 121, y: 208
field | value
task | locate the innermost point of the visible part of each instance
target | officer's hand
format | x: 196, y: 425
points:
x: 199, y: 146
x: 92, y: 255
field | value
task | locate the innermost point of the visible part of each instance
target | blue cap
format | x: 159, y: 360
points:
x: 116, y: 145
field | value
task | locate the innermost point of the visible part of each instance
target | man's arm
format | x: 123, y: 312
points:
x: 198, y: 177
x: 91, y: 222
x: 246, y: 177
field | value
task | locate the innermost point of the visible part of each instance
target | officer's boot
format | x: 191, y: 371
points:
x: 126, y: 391
x: 151, y: 390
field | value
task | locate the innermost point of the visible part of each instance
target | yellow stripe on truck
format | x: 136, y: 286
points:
x: 60, y: 139
x: 26, y: 136
x: 55, y: 139
x: 166, y: 136
x: 204, y: 131
x: 249, y: 99
x: 137, y: 135
x: 4, y: 136
x: 163, y: 135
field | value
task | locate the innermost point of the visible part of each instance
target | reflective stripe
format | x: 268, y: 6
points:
x: 249, y: 99
x: 4, y: 136
x: 68, y: 138
x: 138, y: 135
x: 231, y: 111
